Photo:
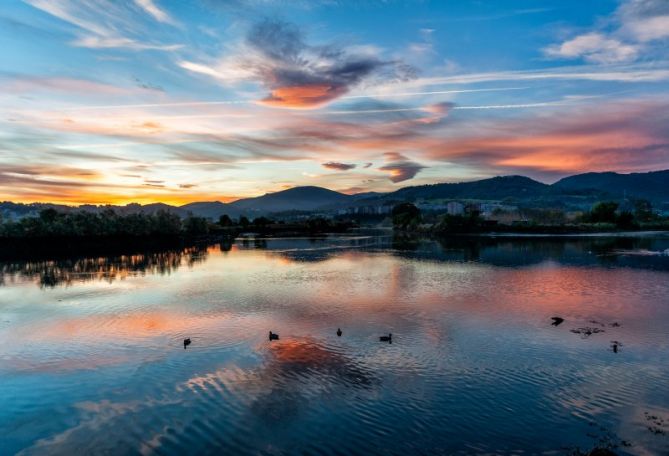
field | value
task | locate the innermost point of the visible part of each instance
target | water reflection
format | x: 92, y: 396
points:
x: 475, y: 361
x: 646, y: 252
x: 50, y: 273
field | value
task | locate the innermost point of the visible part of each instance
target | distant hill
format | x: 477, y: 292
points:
x: 653, y: 185
x: 580, y: 190
x: 293, y: 199
x: 496, y: 188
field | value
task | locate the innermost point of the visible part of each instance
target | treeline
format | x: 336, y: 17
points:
x: 268, y: 226
x: 603, y: 216
x: 53, y: 224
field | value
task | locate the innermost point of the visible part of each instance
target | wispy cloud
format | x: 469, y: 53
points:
x: 157, y: 13
x: 105, y: 24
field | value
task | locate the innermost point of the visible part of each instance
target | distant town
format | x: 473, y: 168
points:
x: 585, y: 203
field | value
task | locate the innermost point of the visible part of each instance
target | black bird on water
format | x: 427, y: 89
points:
x: 273, y: 336
x: 339, y: 332
x: 186, y: 343
x: 557, y: 321
x: 388, y: 338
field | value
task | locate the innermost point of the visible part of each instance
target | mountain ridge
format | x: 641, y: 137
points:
x: 580, y: 188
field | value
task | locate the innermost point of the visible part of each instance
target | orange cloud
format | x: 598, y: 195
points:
x: 303, y: 97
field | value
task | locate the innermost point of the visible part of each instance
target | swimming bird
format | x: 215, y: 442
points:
x: 557, y: 321
x: 339, y: 332
x: 388, y: 338
x: 273, y: 336
x: 186, y: 342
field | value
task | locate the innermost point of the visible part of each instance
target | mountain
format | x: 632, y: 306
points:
x: 293, y: 199
x: 496, y: 188
x: 580, y: 191
x: 653, y: 185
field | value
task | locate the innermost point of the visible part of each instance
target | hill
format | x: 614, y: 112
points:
x: 496, y: 188
x: 653, y: 185
x: 293, y: 199
x: 580, y: 191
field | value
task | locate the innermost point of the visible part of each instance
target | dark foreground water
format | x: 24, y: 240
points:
x: 92, y: 360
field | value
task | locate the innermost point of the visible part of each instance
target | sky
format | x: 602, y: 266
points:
x: 119, y: 101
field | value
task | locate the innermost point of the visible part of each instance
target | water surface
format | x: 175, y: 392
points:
x: 92, y: 360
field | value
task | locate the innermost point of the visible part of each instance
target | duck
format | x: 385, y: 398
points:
x: 388, y: 338
x: 273, y: 336
x: 339, y: 333
x: 557, y: 321
x: 186, y: 342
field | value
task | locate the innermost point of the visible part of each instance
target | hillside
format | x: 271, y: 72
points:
x: 298, y: 198
x: 653, y: 185
x: 496, y: 188
x: 580, y: 190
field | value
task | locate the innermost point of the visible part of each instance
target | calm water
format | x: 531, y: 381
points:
x: 92, y: 361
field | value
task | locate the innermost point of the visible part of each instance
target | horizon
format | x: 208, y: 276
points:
x: 157, y: 101
x: 316, y: 186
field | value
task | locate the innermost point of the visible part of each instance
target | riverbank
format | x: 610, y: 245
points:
x: 66, y: 246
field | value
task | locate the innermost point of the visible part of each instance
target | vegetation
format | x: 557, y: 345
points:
x: 266, y: 226
x: 468, y: 223
x: 53, y: 224
x: 604, y: 216
x: 406, y: 216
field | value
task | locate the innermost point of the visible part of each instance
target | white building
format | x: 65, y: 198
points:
x: 455, y: 208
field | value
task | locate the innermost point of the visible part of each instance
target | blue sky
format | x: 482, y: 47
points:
x: 156, y: 100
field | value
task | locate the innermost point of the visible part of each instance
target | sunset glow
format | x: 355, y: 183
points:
x: 143, y: 101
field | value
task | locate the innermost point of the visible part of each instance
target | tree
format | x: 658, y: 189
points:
x: 196, y: 225
x: 460, y: 223
x: 643, y: 211
x: 406, y: 215
x: 603, y: 212
x: 626, y: 221
x: 261, y: 222
x: 244, y: 222
x: 225, y: 220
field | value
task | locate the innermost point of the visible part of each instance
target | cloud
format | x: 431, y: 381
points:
x: 622, y: 137
x: 158, y: 14
x: 339, y: 166
x: 298, y: 74
x: 595, y: 48
x: 400, y: 167
x: 625, y: 36
x: 106, y: 24
x: 645, y: 20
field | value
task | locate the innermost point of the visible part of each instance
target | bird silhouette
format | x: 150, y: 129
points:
x: 273, y: 336
x: 388, y: 338
x: 186, y: 342
x: 339, y: 333
x: 557, y: 321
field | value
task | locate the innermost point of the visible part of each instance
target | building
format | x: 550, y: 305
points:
x: 455, y: 208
